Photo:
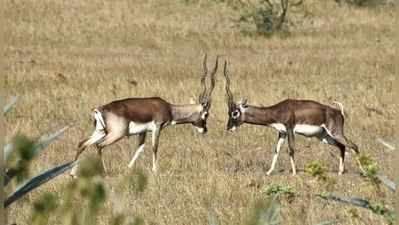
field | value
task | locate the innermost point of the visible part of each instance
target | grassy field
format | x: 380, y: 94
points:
x: 66, y: 57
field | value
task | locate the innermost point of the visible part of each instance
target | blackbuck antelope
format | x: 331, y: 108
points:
x: 136, y: 116
x: 290, y: 117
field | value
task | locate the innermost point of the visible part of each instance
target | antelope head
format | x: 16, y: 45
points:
x: 236, y: 110
x: 205, y: 98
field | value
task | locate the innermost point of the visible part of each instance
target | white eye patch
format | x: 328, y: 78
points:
x: 235, y: 114
x: 204, y: 115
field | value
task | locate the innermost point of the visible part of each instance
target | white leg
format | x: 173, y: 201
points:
x: 291, y: 147
x: 341, y: 166
x: 293, y: 165
x: 96, y: 137
x: 154, y: 164
x: 136, y: 155
x: 280, y: 142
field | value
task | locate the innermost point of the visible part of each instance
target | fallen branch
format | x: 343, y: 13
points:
x: 386, y: 144
x: 389, y: 183
x: 9, y: 106
x: 352, y: 200
x: 362, y: 203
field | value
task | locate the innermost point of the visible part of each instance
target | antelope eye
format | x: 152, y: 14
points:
x: 235, y: 114
x: 205, y: 115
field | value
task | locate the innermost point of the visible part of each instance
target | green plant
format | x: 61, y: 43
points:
x: 86, y: 197
x: 266, y: 16
x: 19, y: 154
x: 279, y: 190
x: 380, y: 209
x: 82, y: 199
x: 370, y: 169
x: 316, y: 169
x: 43, y: 207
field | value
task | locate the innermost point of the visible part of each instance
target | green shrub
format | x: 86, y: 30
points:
x: 267, y: 17
x: 370, y: 169
x: 279, y: 190
x: 43, y: 207
x: 316, y: 169
x: 82, y: 199
x: 19, y: 154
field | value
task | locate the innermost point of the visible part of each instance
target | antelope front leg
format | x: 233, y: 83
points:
x: 155, y: 142
x: 139, y: 150
x: 281, y: 139
x: 291, y: 147
x: 341, y: 159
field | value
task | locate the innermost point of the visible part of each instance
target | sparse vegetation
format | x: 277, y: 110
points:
x: 18, y: 156
x: 89, y: 191
x: 83, y: 200
x: 316, y: 169
x: 265, y: 211
x: 280, y: 190
x: 267, y: 16
x: 378, y: 208
x: 65, y: 57
x: 370, y: 169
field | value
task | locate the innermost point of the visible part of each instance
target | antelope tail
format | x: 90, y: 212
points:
x: 100, y: 123
x: 99, y: 132
x: 340, y: 106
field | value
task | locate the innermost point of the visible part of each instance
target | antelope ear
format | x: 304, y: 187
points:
x: 243, y: 102
x: 205, y: 104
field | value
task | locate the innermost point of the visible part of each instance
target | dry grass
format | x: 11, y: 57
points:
x: 65, y: 57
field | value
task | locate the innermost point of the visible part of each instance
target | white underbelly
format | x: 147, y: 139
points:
x: 308, y: 130
x: 303, y: 129
x: 137, y: 128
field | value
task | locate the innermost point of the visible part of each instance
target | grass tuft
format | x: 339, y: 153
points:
x: 280, y: 190
x: 370, y: 168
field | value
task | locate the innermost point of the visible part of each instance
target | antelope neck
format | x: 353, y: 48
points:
x: 184, y: 113
x: 259, y: 115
